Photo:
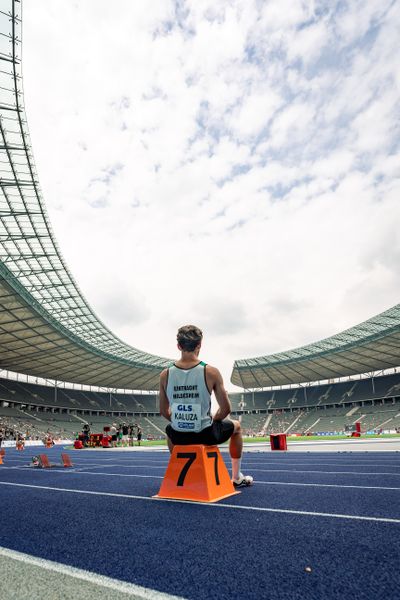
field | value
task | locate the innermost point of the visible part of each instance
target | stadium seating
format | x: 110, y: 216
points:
x: 375, y: 402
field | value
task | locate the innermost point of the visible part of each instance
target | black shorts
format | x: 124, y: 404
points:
x: 217, y: 433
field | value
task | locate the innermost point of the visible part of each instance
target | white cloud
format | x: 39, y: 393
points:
x: 291, y: 125
x: 255, y: 113
x: 307, y: 43
x: 235, y: 165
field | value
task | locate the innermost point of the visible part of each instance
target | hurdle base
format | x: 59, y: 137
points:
x: 201, y: 500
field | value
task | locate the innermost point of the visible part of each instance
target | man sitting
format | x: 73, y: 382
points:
x: 185, y: 400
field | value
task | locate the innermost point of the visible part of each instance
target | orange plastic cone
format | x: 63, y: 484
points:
x: 1, y: 459
x: 196, y: 473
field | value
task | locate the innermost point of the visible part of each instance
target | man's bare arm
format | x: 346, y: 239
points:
x: 165, y: 410
x: 221, y: 395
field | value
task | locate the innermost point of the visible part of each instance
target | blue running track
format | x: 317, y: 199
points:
x: 338, y: 513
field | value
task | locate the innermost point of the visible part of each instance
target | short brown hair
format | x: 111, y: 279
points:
x: 189, y: 337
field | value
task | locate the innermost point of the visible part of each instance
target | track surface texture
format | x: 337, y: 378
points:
x: 313, y: 526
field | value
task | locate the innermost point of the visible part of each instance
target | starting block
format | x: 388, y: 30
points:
x: 197, y: 473
x: 66, y: 460
x: 44, y: 462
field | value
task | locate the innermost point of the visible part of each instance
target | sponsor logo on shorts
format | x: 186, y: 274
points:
x: 185, y: 425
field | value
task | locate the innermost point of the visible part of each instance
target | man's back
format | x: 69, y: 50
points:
x: 189, y: 397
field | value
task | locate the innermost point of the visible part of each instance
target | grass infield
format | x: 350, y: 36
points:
x: 300, y: 438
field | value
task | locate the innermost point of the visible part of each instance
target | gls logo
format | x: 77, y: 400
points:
x: 185, y: 407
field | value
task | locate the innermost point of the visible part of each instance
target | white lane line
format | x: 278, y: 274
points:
x: 28, y: 465
x: 118, y: 465
x: 147, y: 466
x: 321, y: 464
x: 248, y: 462
x: 234, y: 506
x: 96, y: 466
x: 130, y: 589
x: 279, y: 461
x: 323, y: 472
x: 36, y: 469
x: 292, y: 483
x: 329, y: 485
x: 80, y: 472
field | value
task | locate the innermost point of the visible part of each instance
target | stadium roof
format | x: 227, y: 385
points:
x: 371, y: 346
x: 47, y: 329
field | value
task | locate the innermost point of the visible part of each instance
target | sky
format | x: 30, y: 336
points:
x: 230, y: 164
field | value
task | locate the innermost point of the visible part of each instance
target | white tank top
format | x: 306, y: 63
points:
x: 189, y: 398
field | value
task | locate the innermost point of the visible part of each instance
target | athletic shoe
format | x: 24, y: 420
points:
x: 242, y: 481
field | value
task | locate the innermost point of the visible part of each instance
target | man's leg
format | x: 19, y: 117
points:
x: 235, y: 450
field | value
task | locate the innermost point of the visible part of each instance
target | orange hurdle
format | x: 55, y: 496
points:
x: 196, y: 473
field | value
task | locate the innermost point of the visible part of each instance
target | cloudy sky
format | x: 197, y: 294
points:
x: 232, y: 164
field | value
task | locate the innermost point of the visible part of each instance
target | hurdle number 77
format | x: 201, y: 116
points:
x: 191, y: 457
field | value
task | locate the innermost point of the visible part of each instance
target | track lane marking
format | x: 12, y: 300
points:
x: 260, y: 463
x: 278, y: 462
x: 318, y: 464
x: 256, y: 469
x: 322, y: 472
x: 329, y: 485
x: 209, y: 504
x: 130, y: 589
x: 77, y: 469
x: 147, y: 466
x: 290, y: 483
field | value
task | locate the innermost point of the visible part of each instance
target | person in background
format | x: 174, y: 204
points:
x: 125, y: 434
x: 139, y: 435
x: 86, y: 433
x: 119, y: 434
x: 131, y: 434
x: 113, y: 433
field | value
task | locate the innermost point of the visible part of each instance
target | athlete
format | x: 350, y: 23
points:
x: 139, y: 435
x: 185, y: 400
